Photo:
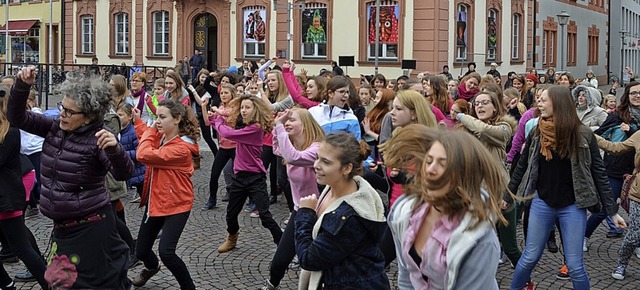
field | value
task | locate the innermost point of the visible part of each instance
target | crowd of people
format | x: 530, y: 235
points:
x: 429, y: 171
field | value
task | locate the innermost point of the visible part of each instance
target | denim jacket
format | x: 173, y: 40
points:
x: 590, y: 184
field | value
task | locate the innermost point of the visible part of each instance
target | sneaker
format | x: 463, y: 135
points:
x: 295, y: 264
x: 211, y: 203
x: 225, y: 197
x: 585, y: 244
x: 254, y: 214
x: 250, y: 207
x: 11, y: 286
x: 618, y: 274
x: 144, y: 276
x: 273, y: 199
x: 270, y: 286
x: 552, y: 247
x: 31, y: 212
x: 563, y: 274
x: 25, y: 276
x: 529, y: 286
x: 135, y: 199
x: 637, y: 251
x: 502, y: 258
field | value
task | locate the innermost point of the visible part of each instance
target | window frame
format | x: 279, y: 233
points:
x: 461, y: 54
x: 496, y: 55
x: 165, y: 42
x: 87, y: 38
x: 255, y: 46
x: 516, y: 23
x: 121, y: 36
x: 316, y: 46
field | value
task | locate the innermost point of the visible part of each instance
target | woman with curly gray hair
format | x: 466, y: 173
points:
x: 87, y: 252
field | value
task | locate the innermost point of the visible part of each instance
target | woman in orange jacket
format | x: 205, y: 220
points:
x: 167, y: 149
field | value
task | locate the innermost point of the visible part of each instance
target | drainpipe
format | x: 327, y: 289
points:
x: 533, y: 40
x: 61, y: 33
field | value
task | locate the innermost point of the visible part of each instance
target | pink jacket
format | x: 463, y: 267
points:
x: 295, y: 90
x: 248, y: 145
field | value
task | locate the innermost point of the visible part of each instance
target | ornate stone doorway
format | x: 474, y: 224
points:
x: 205, y: 39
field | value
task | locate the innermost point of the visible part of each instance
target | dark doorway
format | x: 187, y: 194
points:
x: 206, y: 39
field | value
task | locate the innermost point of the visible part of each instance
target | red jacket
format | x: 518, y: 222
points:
x: 168, y: 188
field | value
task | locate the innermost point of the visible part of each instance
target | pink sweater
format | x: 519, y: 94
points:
x: 300, y: 170
x: 248, y: 145
x: 224, y: 143
x: 295, y: 90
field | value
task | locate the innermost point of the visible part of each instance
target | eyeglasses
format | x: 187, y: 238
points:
x: 634, y: 94
x: 67, y: 112
x: 483, y: 102
x: 342, y: 92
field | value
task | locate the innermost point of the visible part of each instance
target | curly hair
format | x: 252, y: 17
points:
x: 261, y: 116
x: 188, y: 125
x: 90, y: 93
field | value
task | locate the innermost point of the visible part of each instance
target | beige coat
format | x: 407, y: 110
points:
x: 631, y: 143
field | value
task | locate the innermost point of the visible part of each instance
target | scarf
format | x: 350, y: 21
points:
x: 139, y: 95
x: 635, y: 114
x: 547, y: 137
x: 464, y: 94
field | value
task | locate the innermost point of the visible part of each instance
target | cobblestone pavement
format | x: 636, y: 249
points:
x: 247, y: 266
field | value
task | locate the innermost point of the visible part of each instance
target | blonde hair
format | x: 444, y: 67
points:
x: 120, y: 89
x: 160, y: 82
x: 511, y: 93
x: 607, y: 98
x: 470, y: 168
x: 282, y: 92
x: 261, y: 116
x: 4, y: 122
x: 312, y: 131
x: 232, y: 89
x: 415, y: 102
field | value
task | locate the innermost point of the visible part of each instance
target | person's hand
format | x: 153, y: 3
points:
x: 283, y: 117
x: 212, y: 74
x: 293, y: 65
x: 366, y: 124
x: 274, y: 59
x: 136, y: 113
x: 260, y: 84
x: 190, y: 88
x: 205, y: 102
x: 215, y: 110
x: 374, y: 166
x: 630, y: 72
x: 619, y: 221
x: 303, y: 71
x: 503, y: 204
x: 513, y: 103
x: 310, y: 201
x: 625, y: 127
x: 106, y: 139
x: 394, y: 172
x: 28, y: 75
x: 287, y: 66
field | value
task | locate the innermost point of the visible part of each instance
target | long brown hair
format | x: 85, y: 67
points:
x: 188, y: 125
x: 496, y: 101
x: 376, y: 114
x: 440, y: 97
x: 282, y: 91
x: 625, y: 104
x: 565, y: 119
x: 177, y: 93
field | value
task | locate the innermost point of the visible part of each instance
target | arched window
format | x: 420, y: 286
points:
x: 492, y: 33
x: 462, y: 31
x: 254, y: 31
x: 516, y: 24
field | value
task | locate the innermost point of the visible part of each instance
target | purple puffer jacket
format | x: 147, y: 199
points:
x: 73, y: 168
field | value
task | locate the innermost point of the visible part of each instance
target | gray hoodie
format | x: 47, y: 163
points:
x: 593, y: 115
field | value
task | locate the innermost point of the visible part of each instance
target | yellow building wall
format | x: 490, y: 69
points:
x: 41, y: 12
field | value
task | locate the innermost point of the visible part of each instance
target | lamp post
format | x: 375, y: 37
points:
x: 623, y: 33
x: 563, y: 18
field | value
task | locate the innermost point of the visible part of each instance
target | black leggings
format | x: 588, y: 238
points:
x: 121, y: 225
x: 223, y: 156
x: 285, y: 252
x: 18, y: 239
x: 206, y: 135
x: 269, y: 161
x: 172, y: 227
x: 252, y: 184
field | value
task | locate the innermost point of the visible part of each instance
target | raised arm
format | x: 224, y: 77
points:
x: 17, y: 113
x: 295, y: 90
x: 264, y: 67
x: 303, y: 158
x: 498, y: 134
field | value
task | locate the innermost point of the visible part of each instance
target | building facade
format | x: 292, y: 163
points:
x: 624, y: 48
x: 585, y: 37
x: 434, y: 33
x: 28, y: 30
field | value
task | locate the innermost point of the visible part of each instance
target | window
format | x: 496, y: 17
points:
x: 492, y: 34
x: 593, y: 42
x: 515, y: 36
x: 122, y: 34
x: 462, y: 32
x: 388, y: 30
x: 572, y: 41
x: 87, y: 34
x: 161, y: 33
x: 254, y: 31
x: 549, y: 46
x: 314, y: 31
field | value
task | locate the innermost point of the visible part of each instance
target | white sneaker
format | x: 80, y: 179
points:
x: 585, y: 244
x: 637, y: 251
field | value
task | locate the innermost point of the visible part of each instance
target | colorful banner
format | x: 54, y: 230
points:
x: 389, y: 15
x: 492, y: 33
x: 314, y: 20
x: 461, y: 29
x: 255, y: 27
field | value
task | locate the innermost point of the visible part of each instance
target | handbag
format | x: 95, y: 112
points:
x: 626, y: 186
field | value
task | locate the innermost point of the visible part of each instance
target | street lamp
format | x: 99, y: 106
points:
x: 563, y: 18
x: 623, y: 33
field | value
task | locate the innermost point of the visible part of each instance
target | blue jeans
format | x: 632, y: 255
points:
x: 541, y: 221
x: 596, y: 218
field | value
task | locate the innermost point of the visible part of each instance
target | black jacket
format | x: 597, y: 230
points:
x: 12, y: 195
x: 617, y: 165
